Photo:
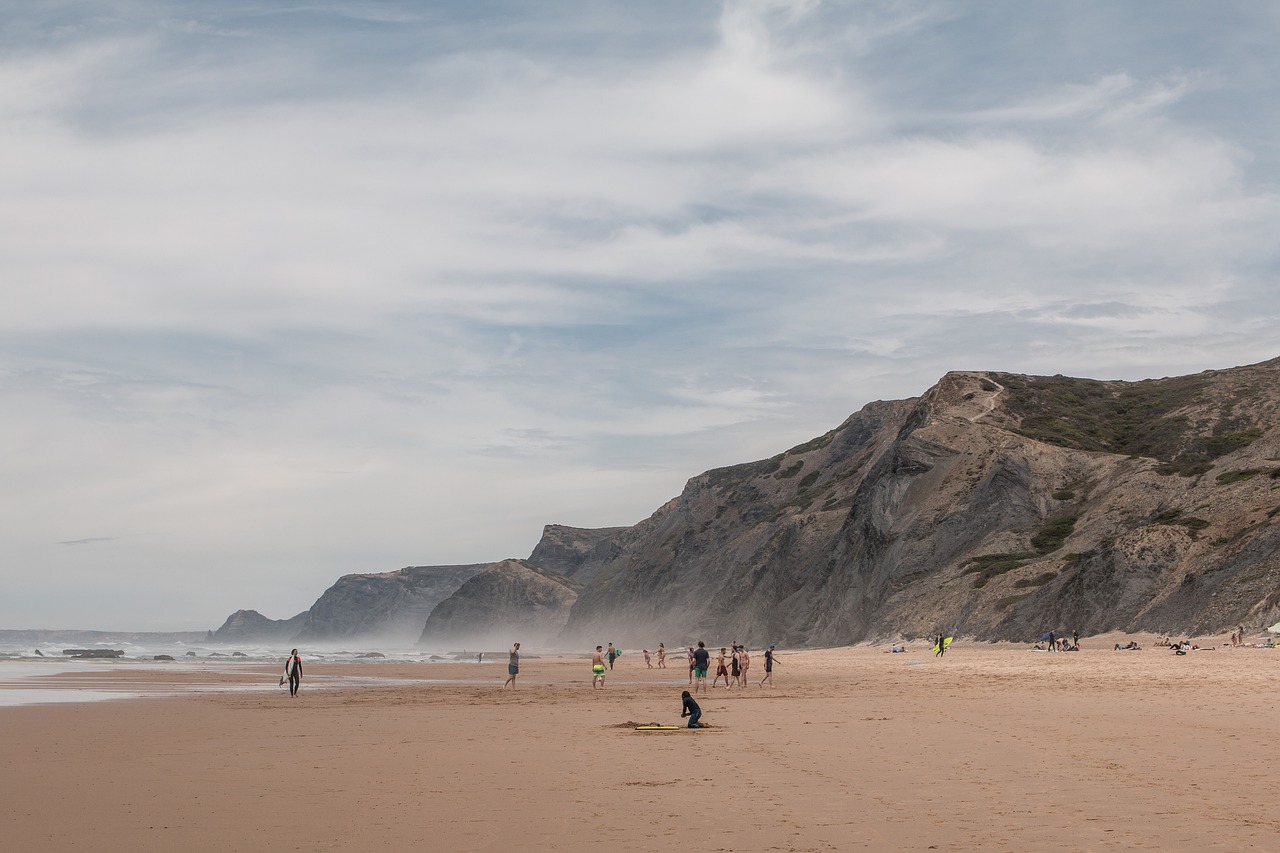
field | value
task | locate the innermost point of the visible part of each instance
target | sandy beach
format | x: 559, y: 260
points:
x: 993, y: 747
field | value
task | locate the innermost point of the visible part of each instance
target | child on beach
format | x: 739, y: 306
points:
x: 648, y: 660
x: 692, y: 711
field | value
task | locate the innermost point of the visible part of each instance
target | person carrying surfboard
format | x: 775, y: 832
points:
x: 293, y: 671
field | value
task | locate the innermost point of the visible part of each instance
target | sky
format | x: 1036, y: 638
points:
x: 293, y: 290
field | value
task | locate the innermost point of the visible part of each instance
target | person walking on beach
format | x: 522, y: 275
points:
x: 612, y: 655
x: 744, y: 662
x: 691, y: 662
x: 648, y: 659
x: 768, y: 666
x: 701, y: 663
x: 662, y: 656
x: 691, y: 710
x: 735, y: 667
x: 293, y: 671
x: 597, y: 668
x: 721, y: 669
x: 942, y: 647
x: 513, y: 666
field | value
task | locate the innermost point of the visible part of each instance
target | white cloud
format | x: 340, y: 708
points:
x: 286, y: 298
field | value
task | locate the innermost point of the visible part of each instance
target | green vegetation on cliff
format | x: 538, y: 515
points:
x: 1147, y: 419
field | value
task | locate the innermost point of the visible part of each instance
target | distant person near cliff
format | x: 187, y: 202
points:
x: 662, y: 656
x: 744, y: 662
x: 768, y: 666
x: 735, y: 666
x: 721, y: 669
x: 597, y: 668
x: 612, y: 655
x: 513, y: 666
x: 293, y: 671
x: 701, y: 663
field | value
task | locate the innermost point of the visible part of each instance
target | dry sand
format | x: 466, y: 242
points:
x: 992, y: 748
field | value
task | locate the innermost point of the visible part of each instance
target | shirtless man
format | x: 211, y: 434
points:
x: 597, y: 668
x: 721, y: 669
x: 691, y: 664
x: 744, y: 662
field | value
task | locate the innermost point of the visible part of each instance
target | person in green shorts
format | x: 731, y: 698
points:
x: 597, y: 668
x: 701, y: 662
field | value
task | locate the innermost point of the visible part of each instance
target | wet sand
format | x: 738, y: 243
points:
x: 992, y: 748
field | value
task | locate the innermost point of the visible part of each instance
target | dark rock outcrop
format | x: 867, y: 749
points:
x: 507, y: 602
x: 94, y: 653
x: 387, y: 606
x: 578, y: 552
x: 251, y: 626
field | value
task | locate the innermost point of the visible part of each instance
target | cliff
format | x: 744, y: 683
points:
x: 507, y: 602
x: 252, y: 626
x: 994, y: 506
x: 388, y: 606
x: 578, y: 552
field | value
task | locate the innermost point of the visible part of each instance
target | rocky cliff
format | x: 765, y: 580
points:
x: 993, y: 506
x: 387, y: 606
x: 508, y: 602
x: 251, y: 626
x: 578, y: 552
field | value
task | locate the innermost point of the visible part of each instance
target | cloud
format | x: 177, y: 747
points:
x: 288, y: 297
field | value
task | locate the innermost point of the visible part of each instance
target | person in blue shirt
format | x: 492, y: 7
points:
x: 692, y: 711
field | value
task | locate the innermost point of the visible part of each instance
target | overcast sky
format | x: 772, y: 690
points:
x: 298, y: 289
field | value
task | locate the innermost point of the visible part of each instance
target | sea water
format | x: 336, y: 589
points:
x: 25, y: 670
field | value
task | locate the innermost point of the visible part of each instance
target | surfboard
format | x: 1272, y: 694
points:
x: 657, y: 728
x: 946, y: 643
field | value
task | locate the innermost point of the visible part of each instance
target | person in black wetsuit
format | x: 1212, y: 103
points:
x: 692, y: 711
x: 293, y: 669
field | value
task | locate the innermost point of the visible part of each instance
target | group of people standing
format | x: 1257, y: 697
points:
x: 731, y: 666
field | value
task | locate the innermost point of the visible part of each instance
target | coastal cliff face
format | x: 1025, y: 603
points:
x: 252, y: 626
x: 510, y: 601
x: 578, y: 552
x: 995, y: 506
x: 390, y: 606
